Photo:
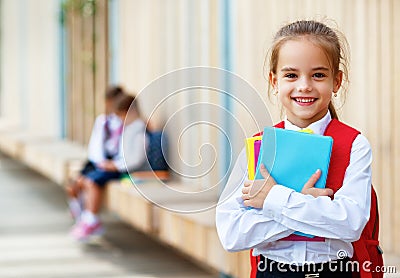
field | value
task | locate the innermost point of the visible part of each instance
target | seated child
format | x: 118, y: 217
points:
x: 103, y: 144
x: 131, y: 156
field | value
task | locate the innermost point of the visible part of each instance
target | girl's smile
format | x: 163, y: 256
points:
x: 304, y: 101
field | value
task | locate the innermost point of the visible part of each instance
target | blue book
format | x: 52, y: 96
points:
x: 291, y: 157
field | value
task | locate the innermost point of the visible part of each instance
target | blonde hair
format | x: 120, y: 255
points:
x: 331, y: 41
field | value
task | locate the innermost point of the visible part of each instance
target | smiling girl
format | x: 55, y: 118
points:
x: 307, y: 67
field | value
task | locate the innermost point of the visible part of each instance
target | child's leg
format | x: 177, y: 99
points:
x: 93, y: 187
x: 89, y: 223
x: 74, y: 189
x: 75, y: 186
x: 94, y: 196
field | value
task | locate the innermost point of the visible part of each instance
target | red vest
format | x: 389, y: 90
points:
x: 367, y: 247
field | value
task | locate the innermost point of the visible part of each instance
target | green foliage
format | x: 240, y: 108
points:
x: 86, y: 8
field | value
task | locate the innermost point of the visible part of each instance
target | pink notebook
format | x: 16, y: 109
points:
x: 257, y: 146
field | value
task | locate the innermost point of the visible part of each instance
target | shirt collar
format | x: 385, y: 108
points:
x: 318, y: 127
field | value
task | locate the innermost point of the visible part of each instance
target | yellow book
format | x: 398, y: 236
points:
x: 251, y: 167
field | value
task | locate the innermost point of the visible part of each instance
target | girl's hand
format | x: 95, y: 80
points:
x: 107, y: 165
x: 255, y: 192
x: 316, y: 192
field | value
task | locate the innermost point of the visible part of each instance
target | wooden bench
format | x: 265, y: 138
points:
x: 54, y: 159
x: 137, y: 204
x: 49, y: 156
x: 130, y: 206
x: 13, y: 142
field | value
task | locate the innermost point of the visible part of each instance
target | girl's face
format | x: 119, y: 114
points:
x: 304, y: 81
x: 109, y: 106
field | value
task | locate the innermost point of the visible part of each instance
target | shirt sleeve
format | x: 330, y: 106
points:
x: 342, y: 218
x: 132, y: 151
x: 95, y: 146
x: 238, y: 226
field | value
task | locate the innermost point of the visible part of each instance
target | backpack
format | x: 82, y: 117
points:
x: 157, y: 150
x: 367, y: 251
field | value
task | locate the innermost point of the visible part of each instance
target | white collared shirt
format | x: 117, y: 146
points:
x: 97, y: 145
x: 340, y: 221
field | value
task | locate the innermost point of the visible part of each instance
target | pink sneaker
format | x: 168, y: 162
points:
x: 82, y: 231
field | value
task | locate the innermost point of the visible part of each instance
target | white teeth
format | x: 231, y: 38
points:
x: 304, y: 100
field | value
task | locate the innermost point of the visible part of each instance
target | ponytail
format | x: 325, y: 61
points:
x: 332, y: 110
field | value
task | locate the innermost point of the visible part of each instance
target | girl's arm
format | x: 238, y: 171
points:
x: 239, y: 227
x: 342, y: 218
x: 107, y: 165
x: 95, y: 146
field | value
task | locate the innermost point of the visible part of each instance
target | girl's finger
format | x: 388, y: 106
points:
x: 245, y: 190
x: 247, y: 203
x: 245, y: 197
x: 264, y: 172
x: 313, y: 180
x: 247, y: 183
x: 328, y: 192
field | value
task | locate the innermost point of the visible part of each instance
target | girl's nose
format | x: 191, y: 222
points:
x: 304, y: 85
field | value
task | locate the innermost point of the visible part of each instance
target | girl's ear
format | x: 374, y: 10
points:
x: 273, y: 80
x: 338, y: 81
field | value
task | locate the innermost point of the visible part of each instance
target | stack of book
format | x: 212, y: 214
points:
x: 291, y: 158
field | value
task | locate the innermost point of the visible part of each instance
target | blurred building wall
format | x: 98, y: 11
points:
x: 30, y: 65
x: 144, y: 40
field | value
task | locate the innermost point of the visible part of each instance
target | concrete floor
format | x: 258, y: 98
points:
x: 34, y: 240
